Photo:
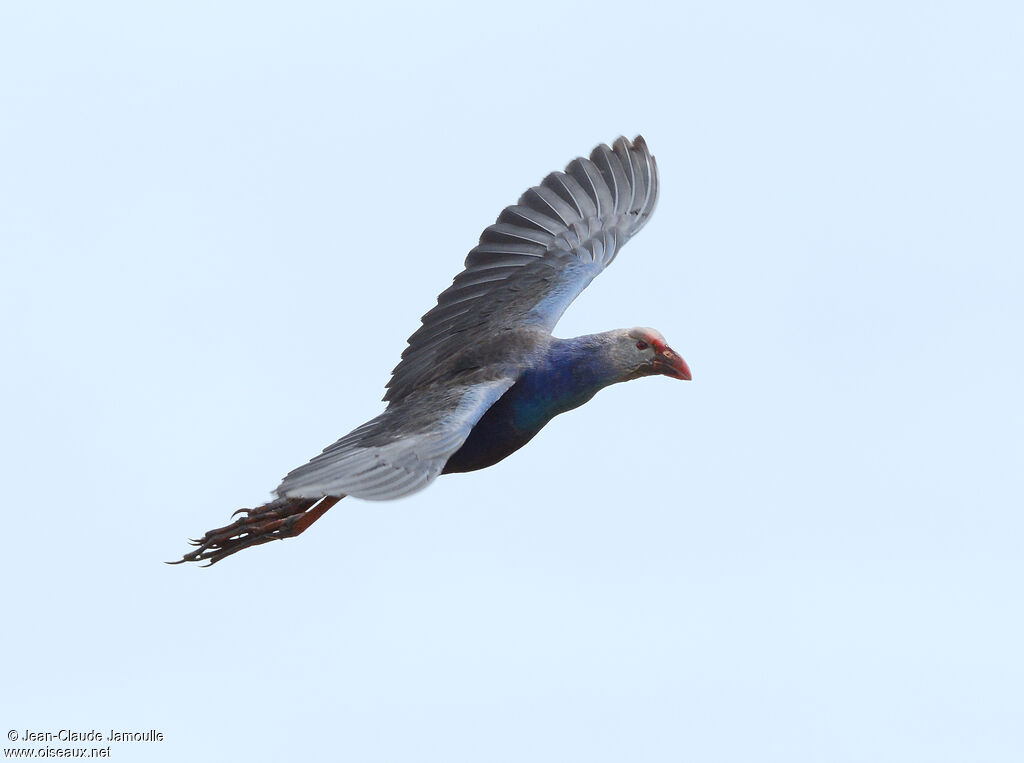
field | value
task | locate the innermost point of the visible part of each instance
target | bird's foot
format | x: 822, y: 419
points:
x: 283, y: 518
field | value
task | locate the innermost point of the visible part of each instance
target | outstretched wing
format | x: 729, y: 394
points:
x: 399, y: 452
x: 536, y: 259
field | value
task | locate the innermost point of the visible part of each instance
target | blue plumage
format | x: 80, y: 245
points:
x: 571, y: 372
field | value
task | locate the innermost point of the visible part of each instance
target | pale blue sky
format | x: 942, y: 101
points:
x: 219, y: 225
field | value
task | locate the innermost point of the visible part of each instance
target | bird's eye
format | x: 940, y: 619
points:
x: 641, y: 345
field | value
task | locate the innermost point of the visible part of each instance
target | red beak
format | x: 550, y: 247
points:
x: 667, y: 362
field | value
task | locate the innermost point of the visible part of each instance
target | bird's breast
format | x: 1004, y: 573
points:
x: 537, y: 397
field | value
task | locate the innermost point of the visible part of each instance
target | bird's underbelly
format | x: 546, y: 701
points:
x: 514, y: 420
x: 494, y: 437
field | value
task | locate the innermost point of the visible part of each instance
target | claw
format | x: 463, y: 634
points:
x: 277, y: 520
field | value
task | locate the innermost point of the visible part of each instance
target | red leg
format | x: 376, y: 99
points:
x: 283, y: 518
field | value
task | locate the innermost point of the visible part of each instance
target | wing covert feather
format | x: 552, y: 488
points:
x: 399, y: 452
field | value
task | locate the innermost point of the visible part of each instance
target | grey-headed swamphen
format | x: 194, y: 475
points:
x: 483, y: 374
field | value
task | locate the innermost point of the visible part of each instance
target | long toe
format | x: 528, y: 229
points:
x: 277, y: 520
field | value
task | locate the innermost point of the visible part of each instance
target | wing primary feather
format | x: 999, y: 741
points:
x: 490, y: 276
x: 589, y: 177
x: 527, y: 217
x: 621, y: 149
x: 615, y: 176
x: 503, y: 232
x: 511, y: 262
x: 545, y: 200
x: 569, y: 189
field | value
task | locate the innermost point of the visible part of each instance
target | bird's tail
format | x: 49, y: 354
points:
x: 277, y: 520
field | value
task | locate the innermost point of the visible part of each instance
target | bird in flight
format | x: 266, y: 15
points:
x: 483, y: 374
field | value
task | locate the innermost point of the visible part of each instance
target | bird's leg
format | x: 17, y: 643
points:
x: 283, y: 518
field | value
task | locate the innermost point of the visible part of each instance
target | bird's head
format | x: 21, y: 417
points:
x: 645, y: 352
